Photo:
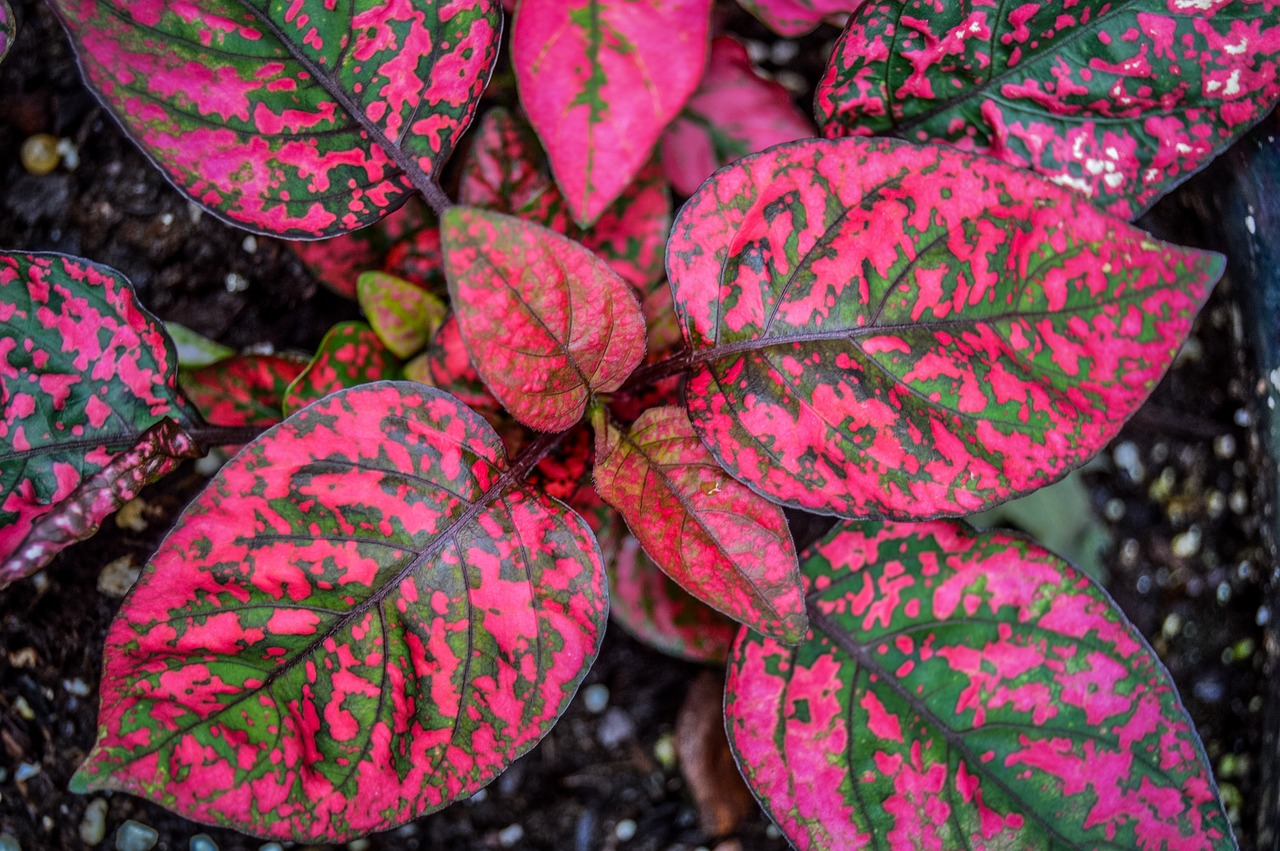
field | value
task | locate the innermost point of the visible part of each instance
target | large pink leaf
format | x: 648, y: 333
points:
x: 793, y: 18
x: 658, y: 612
x: 965, y: 690
x: 350, y: 354
x: 553, y: 323
x: 91, y: 410
x: 1119, y: 100
x: 722, y: 543
x: 884, y: 329
x: 303, y: 121
x: 242, y: 390
x: 734, y: 112
x: 600, y: 79
x: 505, y: 173
x: 364, y: 617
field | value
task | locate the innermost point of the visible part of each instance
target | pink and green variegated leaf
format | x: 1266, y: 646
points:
x: 964, y: 689
x: 600, y: 80
x: 884, y: 329
x: 242, y: 390
x: 303, y: 121
x: 721, y: 542
x: 91, y: 409
x: 364, y: 617
x: 447, y: 365
x: 349, y: 355
x: 8, y: 28
x: 734, y: 112
x: 505, y: 173
x: 661, y: 614
x: 1120, y: 101
x: 404, y: 315
x: 554, y: 323
x: 338, y: 261
x: 793, y: 18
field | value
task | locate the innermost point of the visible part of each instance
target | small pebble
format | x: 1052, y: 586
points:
x: 26, y: 770
x: 664, y: 751
x: 118, y: 576
x: 358, y: 845
x: 1114, y: 510
x: 616, y: 727
x: 478, y: 797
x: 136, y: 836
x: 271, y: 846
x: 39, y: 154
x: 130, y: 516
x: 1172, y: 625
x: 78, y: 687
x: 9, y: 842
x: 783, y: 52
x: 1224, y: 446
x: 23, y: 708
x: 510, y: 835
x: 93, y: 827
x: 250, y: 244
x: 203, y: 842
x: 24, y: 658
x: 626, y: 830
x: 1187, y: 544
x: 236, y: 283
x: 1126, y: 457
x: 595, y: 698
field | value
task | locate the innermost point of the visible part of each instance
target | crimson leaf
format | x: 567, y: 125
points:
x: 727, y: 546
x: 91, y: 411
x: 879, y: 328
x: 299, y: 121
x: 364, y: 617
x: 553, y: 322
x: 965, y: 690
x: 1119, y: 100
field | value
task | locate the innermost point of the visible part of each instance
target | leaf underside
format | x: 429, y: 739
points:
x: 965, y: 690
x: 363, y: 618
x: 1121, y: 101
x: 298, y: 121
x: 883, y: 329
x: 546, y: 321
x: 91, y: 411
x: 724, y: 544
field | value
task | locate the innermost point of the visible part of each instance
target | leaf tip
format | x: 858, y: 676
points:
x: 793, y: 630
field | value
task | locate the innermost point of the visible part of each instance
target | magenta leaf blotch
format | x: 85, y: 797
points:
x: 965, y: 690
x: 91, y: 408
x: 304, y: 120
x: 552, y: 323
x: 885, y: 329
x: 365, y: 616
x: 1120, y: 101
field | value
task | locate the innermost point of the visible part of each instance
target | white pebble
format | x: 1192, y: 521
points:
x: 1188, y: 543
x: 26, y: 770
x: 236, y: 283
x: 626, y: 830
x: 595, y: 698
x: 93, y: 827
x: 78, y: 687
x: 136, y: 836
x: 510, y: 835
x: 203, y: 842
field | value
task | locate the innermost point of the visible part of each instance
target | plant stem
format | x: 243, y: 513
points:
x: 531, y: 455
x: 655, y: 372
x: 209, y: 436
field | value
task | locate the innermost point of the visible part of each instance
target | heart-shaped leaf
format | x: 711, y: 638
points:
x: 734, y: 112
x: 242, y: 390
x: 505, y: 173
x: 299, y: 121
x: 91, y: 411
x: 8, y: 28
x: 721, y: 542
x: 337, y: 262
x: 965, y: 690
x: 349, y: 355
x: 884, y: 329
x: 1120, y: 101
x: 600, y: 79
x: 793, y: 18
x: 403, y: 314
x: 364, y: 617
x: 661, y: 614
x: 554, y: 323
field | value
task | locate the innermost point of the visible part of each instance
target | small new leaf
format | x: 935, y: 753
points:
x: 723, y: 543
x: 349, y: 355
x: 546, y: 321
x: 403, y: 314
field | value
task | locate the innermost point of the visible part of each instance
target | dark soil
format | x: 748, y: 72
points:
x: 1187, y: 563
